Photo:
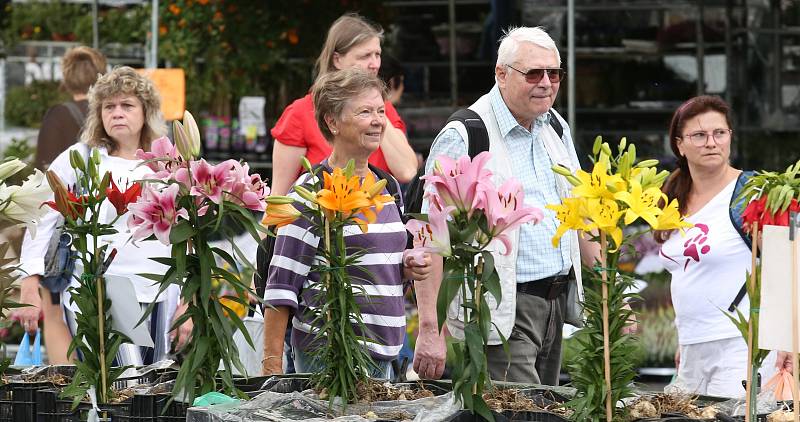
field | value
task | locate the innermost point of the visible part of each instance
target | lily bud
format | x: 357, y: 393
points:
x: 76, y: 161
x: 306, y: 164
x: 596, y: 146
x: 190, y: 125
x: 60, y: 193
x: 279, y: 199
x: 10, y: 167
x: 647, y: 163
x: 182, y: 142
x: 558, y: 169
x: 104, y: 183
x: 96, y: 156
x: 377, y: 188
x: 305, y: 194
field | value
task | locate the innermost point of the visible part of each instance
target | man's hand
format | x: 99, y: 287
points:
x: 430, y: 353
x: 181, y: 335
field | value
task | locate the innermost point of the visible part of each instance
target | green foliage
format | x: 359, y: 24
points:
x: 780, y: 188
x: 193, y: 266
x: 658, y: 337
x: 345, y: 360
x: 95, y: 339
x: 587, y: 369
x: 124, y: 25
x: 42, y: 20
x: 244, y: 47
x: 471, y: 282
x: 27, y: 105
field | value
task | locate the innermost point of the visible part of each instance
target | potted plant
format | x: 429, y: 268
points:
x: 183, y: 205
x: 618, y: 192
x: 470, y: 217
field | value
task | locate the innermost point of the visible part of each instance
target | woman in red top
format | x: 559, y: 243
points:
x: 351, y: 42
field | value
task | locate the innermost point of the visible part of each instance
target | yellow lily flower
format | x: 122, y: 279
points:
x: 570, y: 214
x: 670, y: 218
x: 641, y: 204
x: 342, y: 194
x: 605, y: 215
x: 598, y: 184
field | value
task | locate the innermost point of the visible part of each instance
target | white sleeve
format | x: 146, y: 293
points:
x: 31, y: 260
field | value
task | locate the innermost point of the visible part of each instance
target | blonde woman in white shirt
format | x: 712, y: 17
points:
x: 124, y: 116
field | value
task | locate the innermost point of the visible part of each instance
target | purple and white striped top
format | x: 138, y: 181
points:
x: 379, y: 273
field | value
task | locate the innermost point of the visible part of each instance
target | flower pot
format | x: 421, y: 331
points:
x: 18, y: 395
x: 51, y: 408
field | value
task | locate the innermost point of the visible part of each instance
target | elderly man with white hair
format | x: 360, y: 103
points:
x: 541, y: 284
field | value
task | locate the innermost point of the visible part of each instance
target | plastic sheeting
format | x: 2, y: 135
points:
x: 306, y: 406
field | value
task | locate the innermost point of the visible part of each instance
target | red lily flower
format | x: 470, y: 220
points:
x: 754, y: 212
x: 65, y: 201
x: 121, y: 200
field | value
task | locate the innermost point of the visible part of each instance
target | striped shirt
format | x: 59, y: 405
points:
x: 537, y: 259
x: 291, y: 283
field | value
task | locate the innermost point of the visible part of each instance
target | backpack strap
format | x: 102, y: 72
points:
x: 556, y: 124
x: 478, y: 136
x: 75, y: 112
x: 736, y: 209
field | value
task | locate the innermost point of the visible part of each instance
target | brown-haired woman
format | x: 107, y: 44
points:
x: 709, y: 261
x: 80, y: 66
x: 124, y: 115
x: 351, y: 42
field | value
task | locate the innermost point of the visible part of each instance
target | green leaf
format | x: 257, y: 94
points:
x: 181, y: 232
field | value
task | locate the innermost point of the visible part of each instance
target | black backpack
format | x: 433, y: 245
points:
x: 477, y: 140
x: 267, y: 246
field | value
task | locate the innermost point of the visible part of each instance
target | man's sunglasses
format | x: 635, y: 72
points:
x: 533, y: 76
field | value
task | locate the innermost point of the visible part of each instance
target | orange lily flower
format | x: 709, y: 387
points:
x: 279, y: 215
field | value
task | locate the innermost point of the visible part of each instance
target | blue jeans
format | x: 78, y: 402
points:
x: 305, y: 363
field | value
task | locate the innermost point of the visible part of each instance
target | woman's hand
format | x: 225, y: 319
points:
x: 181, y: 335
x: 416, y: 265
x: 784, y: 361
x: 29, y: 316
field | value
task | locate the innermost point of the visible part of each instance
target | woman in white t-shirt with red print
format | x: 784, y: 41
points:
x: 708, y: 262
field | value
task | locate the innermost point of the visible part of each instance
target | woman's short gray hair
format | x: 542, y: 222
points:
x: 333, y: 90
x: 123, y: 81
x: 509, y: 43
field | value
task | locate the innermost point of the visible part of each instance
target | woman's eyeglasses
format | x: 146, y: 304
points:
x: 533, y: 76
x: 700, y: 138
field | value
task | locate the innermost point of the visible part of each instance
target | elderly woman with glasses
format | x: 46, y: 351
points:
x: 707, y: 262
x: 350, y: 111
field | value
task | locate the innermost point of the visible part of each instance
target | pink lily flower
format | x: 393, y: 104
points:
x: 505, y: 210
x: 211, y: 181
x: 167, y: 155
x: 433, y: 236
x: 250, y: 193
x: 457, y: 181
x: 155, y: 213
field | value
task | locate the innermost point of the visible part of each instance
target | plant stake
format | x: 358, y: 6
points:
x: 795, y: 346
x: 750, y: 399
x: 606, y: 346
